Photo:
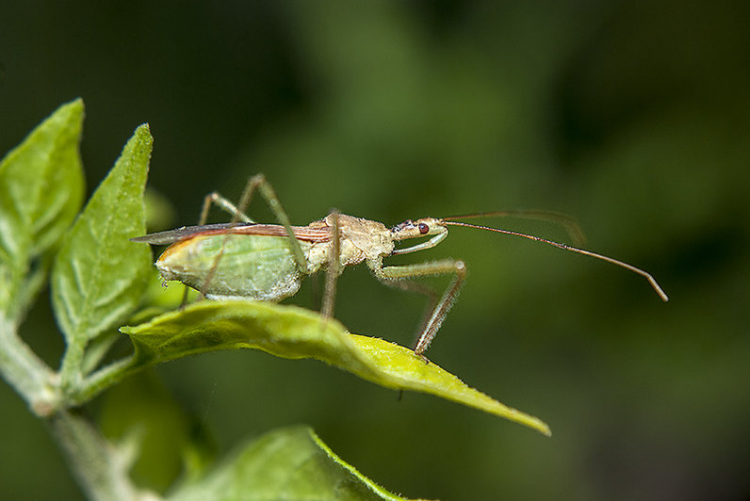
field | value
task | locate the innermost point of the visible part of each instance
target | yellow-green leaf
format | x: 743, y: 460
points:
x: 292, y: 332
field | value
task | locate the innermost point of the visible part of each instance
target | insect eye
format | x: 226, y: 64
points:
x: 423, y: 228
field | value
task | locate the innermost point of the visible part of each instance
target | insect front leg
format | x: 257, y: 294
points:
x: 419, y: 288
x: 392, y: 274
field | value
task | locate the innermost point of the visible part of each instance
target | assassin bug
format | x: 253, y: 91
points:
x: 267, y: 262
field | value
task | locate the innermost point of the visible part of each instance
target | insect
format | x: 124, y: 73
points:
x: 267, y: 262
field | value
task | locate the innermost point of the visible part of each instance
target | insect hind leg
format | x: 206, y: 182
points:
x: 216, y: 199
x: 260, y: 183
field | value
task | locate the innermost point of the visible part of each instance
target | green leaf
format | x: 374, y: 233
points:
x: 41, y: 190
x: 292, y: 332
x: 291, y: 463
x: 99, y: 276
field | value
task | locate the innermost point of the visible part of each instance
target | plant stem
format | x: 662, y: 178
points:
x: 101, y: 471
x: 25, y: 372
x: 102, y: 379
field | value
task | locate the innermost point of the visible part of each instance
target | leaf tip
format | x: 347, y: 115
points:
x: 143, y: 133
x: 76, y: 103
x: 73, y: 109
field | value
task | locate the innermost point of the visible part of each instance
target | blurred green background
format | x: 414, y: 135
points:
x: 633, y: 117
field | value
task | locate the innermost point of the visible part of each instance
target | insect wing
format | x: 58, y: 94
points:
x: 304, y: 233
x: 172, y: 236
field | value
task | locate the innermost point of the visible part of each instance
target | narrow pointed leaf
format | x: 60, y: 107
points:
x: 293, y: 332
x: 99, y: 275
x: 41, y: 189
x: 291, y: 463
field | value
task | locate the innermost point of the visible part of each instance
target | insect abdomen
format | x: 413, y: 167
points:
x: 248, y: 266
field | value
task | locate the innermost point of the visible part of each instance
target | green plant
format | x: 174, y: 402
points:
x: 99, y: 280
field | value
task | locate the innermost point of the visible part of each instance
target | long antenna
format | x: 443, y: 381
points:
x: 575, y: 232
x: 617, y: 262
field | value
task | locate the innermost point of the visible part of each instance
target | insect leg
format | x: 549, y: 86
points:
x: 259, y: 182
x: 216, y: 199
x: 392, y: 274
x: 255, y: 182
x: 419, y: 288
x: 333, y: 271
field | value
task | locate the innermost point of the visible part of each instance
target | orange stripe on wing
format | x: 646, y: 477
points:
x: 304, y: 233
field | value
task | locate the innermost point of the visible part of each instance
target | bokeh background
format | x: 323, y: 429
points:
x: 633, y: 117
